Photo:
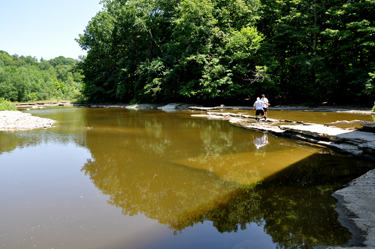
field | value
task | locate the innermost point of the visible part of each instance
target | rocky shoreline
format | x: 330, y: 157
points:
x: 360, y: 142
x: 356, y: 208
x: 16, y: 120
x: 356, y: 202
x: 43, y: 104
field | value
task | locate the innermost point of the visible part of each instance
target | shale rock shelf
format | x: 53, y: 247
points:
x: 356, y: 142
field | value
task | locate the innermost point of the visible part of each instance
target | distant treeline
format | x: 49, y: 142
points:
x: 304, y: 50
x: 25, y: 79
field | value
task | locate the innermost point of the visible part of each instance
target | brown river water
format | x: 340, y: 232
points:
x: 118, y: 178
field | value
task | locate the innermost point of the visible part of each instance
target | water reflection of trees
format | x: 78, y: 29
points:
x: 69, y: 129
x: 295, y: 205
x: 133, y: 163
x: 136, y: 160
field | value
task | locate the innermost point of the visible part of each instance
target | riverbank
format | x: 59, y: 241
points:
x: 184, y: 106
x: 43, y: 104
x: 356, y: 208
x: 16, y: 120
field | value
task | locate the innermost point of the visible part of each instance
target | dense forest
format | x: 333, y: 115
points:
x: 25, y: 79
x: 213, y: 51
x: 299, y: 50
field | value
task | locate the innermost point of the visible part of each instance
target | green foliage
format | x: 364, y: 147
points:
x: 81, y: 101
x: 202, y: 50
x: 373, y: 108
x: 62, y: 61
x: 153, y: 51
x: 25, y: 79
x: 311, y: 104
x: 6, y: 105
x: 321, y: 49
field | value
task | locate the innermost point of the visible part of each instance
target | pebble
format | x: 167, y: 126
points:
x: 16, y: 120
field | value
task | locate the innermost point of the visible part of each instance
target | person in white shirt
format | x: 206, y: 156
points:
x: 266, y: 105
x: 258, y: 105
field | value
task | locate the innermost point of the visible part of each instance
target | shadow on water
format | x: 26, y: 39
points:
x: 181, y: 181
x: 183, y: 172
x: 295, y: 205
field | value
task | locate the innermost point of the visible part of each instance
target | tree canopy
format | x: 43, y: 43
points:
x: 25, y: 79
x: 143, y: 50
x: 160, y: 50
x: 210, y: 50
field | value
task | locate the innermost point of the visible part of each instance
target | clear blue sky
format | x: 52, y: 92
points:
x: 44, y: 28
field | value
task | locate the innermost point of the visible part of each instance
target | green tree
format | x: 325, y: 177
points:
x: 25, y: 79
x: 149, y: 51
x: 320, y: 49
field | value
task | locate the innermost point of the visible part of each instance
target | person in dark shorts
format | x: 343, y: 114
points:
x: 258, y: 105
x: 266, y: 105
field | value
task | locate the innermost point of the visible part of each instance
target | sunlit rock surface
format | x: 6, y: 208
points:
x: 341, y: 109
x: 355, y: 142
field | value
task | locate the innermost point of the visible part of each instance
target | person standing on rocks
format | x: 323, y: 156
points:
x: 266, y: 105
x: 258, y: 105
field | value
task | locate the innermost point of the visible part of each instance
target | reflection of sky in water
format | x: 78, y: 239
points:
x: 161, y: 171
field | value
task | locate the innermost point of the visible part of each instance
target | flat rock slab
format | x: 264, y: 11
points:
x: 16, y: 120
x: 339, y: 109
x: 359, y: 199
x: 351, y: 141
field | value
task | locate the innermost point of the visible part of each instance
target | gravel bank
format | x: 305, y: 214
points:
x: 16, y: 120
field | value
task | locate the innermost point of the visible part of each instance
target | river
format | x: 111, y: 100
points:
x: 118, y: 178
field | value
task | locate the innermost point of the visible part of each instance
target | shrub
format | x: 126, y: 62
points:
x: 311, y: 104
x: 6, y: 105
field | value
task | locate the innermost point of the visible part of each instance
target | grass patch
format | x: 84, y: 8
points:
x: 6, y: 105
